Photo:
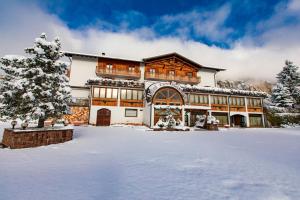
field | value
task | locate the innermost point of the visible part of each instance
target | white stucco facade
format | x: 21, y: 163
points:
x: 82, y: 69
x: 207, y: 77
x: 117, y: 115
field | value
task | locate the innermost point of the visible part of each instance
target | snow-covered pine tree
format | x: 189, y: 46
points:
x: 289, y: 77
x: 281, y: 96
x: 39, y: 82
x: 12, y: 87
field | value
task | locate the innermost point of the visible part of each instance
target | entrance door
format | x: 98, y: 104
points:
x: 103, y: 117
x: 238, y: 120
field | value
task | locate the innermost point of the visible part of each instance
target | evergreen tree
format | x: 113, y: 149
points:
x: 35, y: 87
x: 281, y: 96
x: 288, y: 80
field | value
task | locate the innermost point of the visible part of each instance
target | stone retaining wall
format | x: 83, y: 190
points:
x: 16, y: 138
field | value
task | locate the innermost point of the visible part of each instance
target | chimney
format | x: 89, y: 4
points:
x: 103, y: 54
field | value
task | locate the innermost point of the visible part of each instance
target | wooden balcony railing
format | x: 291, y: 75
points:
x: 219, y: 107
x: 184, y: 79
x: 118, y: 73
x: 104, y: 102
x: 131, y: 103
x: 254, y: 109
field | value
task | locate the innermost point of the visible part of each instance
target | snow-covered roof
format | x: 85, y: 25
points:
x: 185, y: 88
x: 195, y: 88
x: 114, y: 82
x: 70, y: 54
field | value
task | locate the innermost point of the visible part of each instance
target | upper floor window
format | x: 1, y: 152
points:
x: 237, y: 101
x: 254, y: 102
x: 189, y: 74
x: 110, y: 93
x: 131, y: 94
x: 109, y: 67
x: 172, y: 73
x: 131, y: 69
x: 198, y: 99
x: 218, y: 100
x: 152, y: 71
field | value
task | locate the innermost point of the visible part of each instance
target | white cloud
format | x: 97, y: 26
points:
x: 294, y: 5
x: 20, y: 24
x: 208, y: 24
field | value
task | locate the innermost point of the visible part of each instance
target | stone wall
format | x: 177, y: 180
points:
x: 17, y: 138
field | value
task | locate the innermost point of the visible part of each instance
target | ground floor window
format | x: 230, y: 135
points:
x: 131, y: 112
x: 255, y: 120
x: 222, y: 117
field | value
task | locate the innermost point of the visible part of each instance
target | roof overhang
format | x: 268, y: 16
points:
x: 185, y: 59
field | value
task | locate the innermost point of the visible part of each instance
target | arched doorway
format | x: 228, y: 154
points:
x: 165, y: 97
x: 238, y: 120
x: 103, y: 117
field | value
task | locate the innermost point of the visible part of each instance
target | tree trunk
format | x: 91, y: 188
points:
x: 41, y: 122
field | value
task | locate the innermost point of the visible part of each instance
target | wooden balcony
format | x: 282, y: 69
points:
x: 131, y: 103
x: 237, y: 108
x: 165, y: 77
x: 118, y: 73
x: 104, y: 102
x: 255, y: 109
x: 219, y: 107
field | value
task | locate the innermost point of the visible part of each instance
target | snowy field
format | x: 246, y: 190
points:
x: 133, y: 163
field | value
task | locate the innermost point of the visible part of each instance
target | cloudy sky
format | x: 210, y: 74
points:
x: 250, y: 38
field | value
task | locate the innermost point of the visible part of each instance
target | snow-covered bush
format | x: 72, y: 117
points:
x: 212, y: 120
x: 200, y: 120
x: 35, y: 87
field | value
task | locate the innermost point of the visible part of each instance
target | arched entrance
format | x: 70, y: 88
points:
x: 103, y: 117
x: 167, y: 101
x: 238, y: 120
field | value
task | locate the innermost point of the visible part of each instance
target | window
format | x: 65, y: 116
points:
x: 96, y: 92
x: 167, y: 96
x: 134, y: 94
x: 111, y: 93
x: 255, y: 120
x: 198, y: 99
x: 131, y: 112
x: 140, y: 95
x: 222, y: 100
x: 108, y: 93
x: 172, y: 73
x: 131, y: 94
x: 109, y: 67
x: 254, y: 102
x: 115, y: 94
x: 131, y: 69
x: 152, y: 71
x: 123, y: 94
x: 128, y: 94
x: 237, y: 101
x: 189, y: 74
x: 222, y: 117
x: 102, y: 92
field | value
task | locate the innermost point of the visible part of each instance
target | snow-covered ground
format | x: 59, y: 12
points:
x: 133, y: 163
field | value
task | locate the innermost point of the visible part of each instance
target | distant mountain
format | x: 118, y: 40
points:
x: 249, y: 84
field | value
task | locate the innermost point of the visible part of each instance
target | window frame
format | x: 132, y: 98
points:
x: 131, y: 109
